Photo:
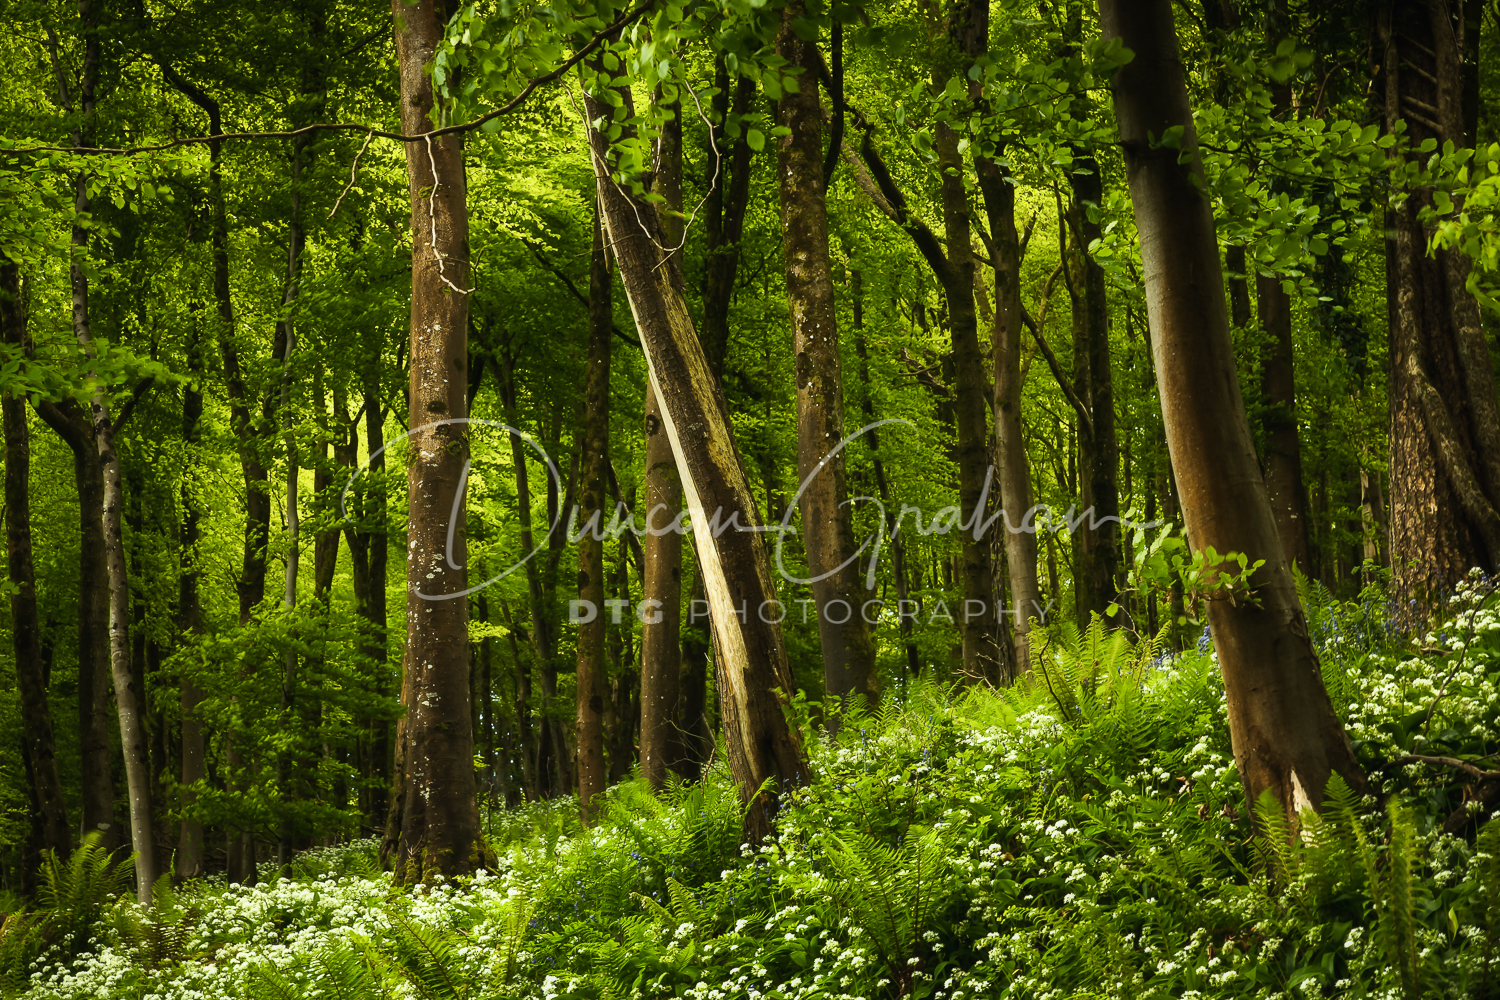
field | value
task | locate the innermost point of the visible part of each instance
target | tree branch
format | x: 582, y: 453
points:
x: 506, y: 108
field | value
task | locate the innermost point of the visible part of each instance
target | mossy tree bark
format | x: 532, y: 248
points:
x: 439, y: 834
x: 1444, y: 424
x: 1285, y: 736
x: 827, y: 519
x: 754, y: 681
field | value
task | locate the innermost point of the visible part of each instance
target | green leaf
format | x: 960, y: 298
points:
x: 755, y: 140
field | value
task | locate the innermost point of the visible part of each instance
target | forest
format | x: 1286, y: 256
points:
x: 750, y: 499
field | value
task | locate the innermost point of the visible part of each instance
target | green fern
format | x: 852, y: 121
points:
x: 893, y: 894
x: 1398, y: 921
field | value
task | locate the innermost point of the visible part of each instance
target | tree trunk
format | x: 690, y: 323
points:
x: 592, y: 669
x: 287, y: 335
x: 1098, y: 558
x: 753, y: 677
x: 1278, y: 387
x: 128, y: 698
x: 1285, y: 736
x: 31, y: 680
x: 661, y: 628
x: 724, y: 216
x: 70, y: 422
x: 1010, y: 442
x: 827, y: 518
x: 661, y: 657
x: 440, y: 835
x: 189, y: 860
x: 987, y: 654
x: 1444, y: 427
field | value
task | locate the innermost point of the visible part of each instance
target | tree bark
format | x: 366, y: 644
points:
x: 1010, y: 442
x: 440, y: 836
x: 189, y: 860
x: 128, y: 697
x: 753, y: 677
x: 1444, y: 425
x: 1285, y: 736
x: 1097, y: 559
x: 592, y: 669
x: 70, y: 422
x: 827, y: 518
x: 31, y: 679
x: 661, y: 629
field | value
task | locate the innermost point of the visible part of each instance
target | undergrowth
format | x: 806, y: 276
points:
x: 1081, y: 835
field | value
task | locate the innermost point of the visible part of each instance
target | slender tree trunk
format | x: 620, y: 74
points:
x: 440, y: 835
x: 827, y: 519
x: 724, y: 216
x: 31, y: 680
x: 592, y: 670
x: 189, y: 860
x: 661, y: 630
x: 1285, y: 736
x: 697, y: 646
x: 1010, y: 443
x: 288, y: 337
x: 987, y: 655
x: 1444, y: 426
x: 872, y: 438
x: 128, y: 698
x: 753, y: 676
x: 70, y: 422
x: 1278, y: 387
x: 1098, y: 559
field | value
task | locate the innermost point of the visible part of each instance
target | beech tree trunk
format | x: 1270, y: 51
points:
x: 754, y: 681
x: 592, y: 666
x: 440, y: 835
x: 827, y: 519
x: 1285, y: 736
x: 1010, y: 443
x: 31, y: 679
x: 1444, y: 425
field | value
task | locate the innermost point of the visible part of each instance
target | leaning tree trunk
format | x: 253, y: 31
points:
x: 1285, y: 736
x: 594, y: 462
x: 661, y: 585
x: 439, y: 835
x: 754, y: 680
x: 1444, y: 427
x: 827, y: 517
x: 31, y: 679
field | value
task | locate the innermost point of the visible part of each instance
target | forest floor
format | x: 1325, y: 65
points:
x: 1083, y: 834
